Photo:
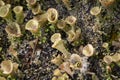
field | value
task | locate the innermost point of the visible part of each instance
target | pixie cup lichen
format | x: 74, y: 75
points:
x: 7, y: 66
x: 71, y: 35
x: 116, y: 57
x: 107, y: 3
x: 57, y: 60
x: 13, y: 30
x: 95, y: 11
x: 34, y: 6
x: 107, y: 59
x: 32, y: 26
x: 57, y: 72
x: 71, y: 20
x: 52, y: 15
x: 36, y: 9
x: 18, y: 10
x: 59, y: 44
x: 42, y: 19
x: 76, y: 61
x: 67, y: 4
x: 65, y: 66
x: 2, y: 3
x: 31, y: 2
x: 88, y: 50
x: 5, y: 13
x: 61, y: 24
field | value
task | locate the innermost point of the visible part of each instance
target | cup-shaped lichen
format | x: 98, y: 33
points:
x: 75, y: 60
x: 57, y: 60
x: 2, y: 3
x: 52, y: 15
x: 78, y: 33
x: 34, y: 6
x: 55, y: 37
x: 32, y: 25
x: 71, y: 20
x: 42, y: 19
x: 71, y: 35
x: 105, y: 45
x: 66, y: 67
x: 7, y: 66
x: 18, y: 10
x: 67, y: 4
x: 36, y: 9
x: 88, y: 50
x: 12, y: 51
x: 59, y: 44
x: 2, y: 78
x: 5, y: 12
x: 57, y: 72
x: 116, y: 57
x: 95, y: 11
x: 31, y: 2
x: 15, y: 67
x: 107, y: 3
x: 61, y: 24
x: 63, y: 77
x: 13, y: 29
x: 107, y: 59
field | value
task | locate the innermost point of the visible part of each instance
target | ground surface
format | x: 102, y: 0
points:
x: 44, y: 52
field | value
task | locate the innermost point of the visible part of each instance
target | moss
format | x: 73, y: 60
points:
x: 52, y: 28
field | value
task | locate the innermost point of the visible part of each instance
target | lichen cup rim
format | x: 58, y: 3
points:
x: 71, y: 20
x: 18, y: 9
x: 2, y: 3
x: 4, y: 10
x: 52, y: 15
x: 11, y: 33
x: 61, y: 24
x: 88, y: 50
x: 32, y: 25
x: 95, y: 10
x: 31, y: 3
x: 55, y: 37
x: 7, y: 66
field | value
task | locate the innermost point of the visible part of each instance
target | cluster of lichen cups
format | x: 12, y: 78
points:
x: 68, y: 26
x: 34, y: 6
x: 114, y: 58
x: 96, y: 11
x: 13, y: 26
x: 68, y: 62
x: 109, y: 5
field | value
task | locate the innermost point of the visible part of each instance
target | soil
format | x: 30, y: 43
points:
x: 43, y: 52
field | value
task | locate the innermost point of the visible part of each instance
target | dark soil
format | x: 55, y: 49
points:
x: 44, y: 52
